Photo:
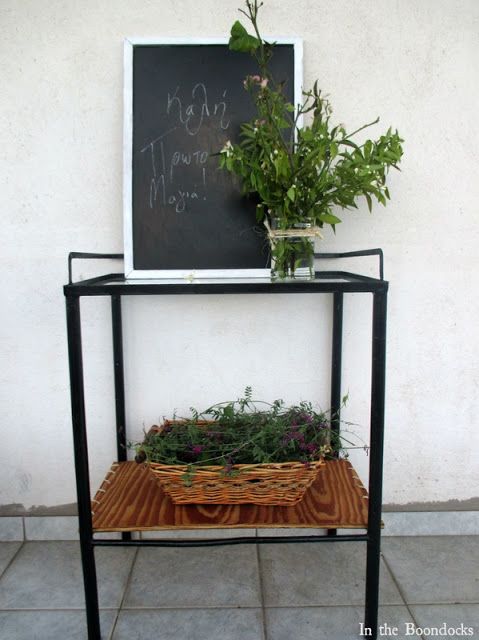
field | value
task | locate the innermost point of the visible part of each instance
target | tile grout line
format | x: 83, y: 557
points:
x: 191, y: 607
x: 229, y: 607
x: 127, y: 585
x: 339, y: 606
x: 52, y: 609
x: 401, y: 592
x: 9, y: 564
x: 261, y: 591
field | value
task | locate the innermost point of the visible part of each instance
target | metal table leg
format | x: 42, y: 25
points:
x: 336, y: 364
x: 378, y: 380
x: 81, y: 466
x: 118, y: 367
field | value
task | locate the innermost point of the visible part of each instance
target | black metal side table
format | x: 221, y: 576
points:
x: 335, y: 283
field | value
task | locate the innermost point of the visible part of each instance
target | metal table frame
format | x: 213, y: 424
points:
x: 115, y: 286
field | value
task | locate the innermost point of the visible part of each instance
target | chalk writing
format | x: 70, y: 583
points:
x: 180, y: 158
x: 192, y: 115
x: 179, y: 176
x: 162, y: 165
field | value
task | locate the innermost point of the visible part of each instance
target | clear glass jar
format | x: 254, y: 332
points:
x: 292, y: 250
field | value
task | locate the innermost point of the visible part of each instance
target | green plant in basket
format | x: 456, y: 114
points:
x: 244, y: 431
x: 300, y: 174
x: 242, y: 451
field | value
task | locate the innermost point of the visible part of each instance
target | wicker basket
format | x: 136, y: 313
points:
x: 281, y: 484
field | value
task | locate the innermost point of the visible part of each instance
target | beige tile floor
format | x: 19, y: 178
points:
x: 245, y: 592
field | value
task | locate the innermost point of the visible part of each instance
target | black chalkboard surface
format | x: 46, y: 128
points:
x: 183, y: 214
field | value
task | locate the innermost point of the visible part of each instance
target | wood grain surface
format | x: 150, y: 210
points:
x: 130, y: 499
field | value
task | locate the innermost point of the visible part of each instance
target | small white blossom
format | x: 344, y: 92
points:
x: 227, y: 149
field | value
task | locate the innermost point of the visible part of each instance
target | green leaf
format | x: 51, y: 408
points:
x: 228, y: 411
x: 247, y: 131
x: 328, y: 218
x: 369, y: 201
x: 306, y: 134
x: 348, y: 143
x: 291, y: 193
x: 241, y: 40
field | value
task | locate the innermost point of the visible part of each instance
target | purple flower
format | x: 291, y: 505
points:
x: 197, y: 449
x: 305, y: 417
x: 293, y: 435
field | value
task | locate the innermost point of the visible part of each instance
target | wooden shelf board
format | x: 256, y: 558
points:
x: 130, y: 499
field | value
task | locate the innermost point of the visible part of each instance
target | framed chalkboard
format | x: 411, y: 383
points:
x: 183, y: 216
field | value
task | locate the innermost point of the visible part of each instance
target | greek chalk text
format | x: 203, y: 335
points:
x: 193, y: 115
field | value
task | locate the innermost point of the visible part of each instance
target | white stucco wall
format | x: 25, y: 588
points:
x: 414, y: 62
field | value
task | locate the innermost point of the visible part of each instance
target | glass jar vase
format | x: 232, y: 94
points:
x: 292, y: 249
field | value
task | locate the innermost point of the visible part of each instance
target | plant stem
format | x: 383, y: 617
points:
x: 365, y: 126
x: 265, y: 73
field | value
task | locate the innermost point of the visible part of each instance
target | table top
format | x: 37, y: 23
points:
x: 323, y: 282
